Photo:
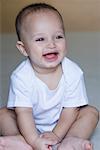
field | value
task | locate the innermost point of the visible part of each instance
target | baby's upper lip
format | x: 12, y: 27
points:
x: 50, y: 52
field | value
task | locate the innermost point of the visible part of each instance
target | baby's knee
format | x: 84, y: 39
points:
x: 93, y: 111
x: 90, y: 111
x: 6, y: 114
x: 3, y: 112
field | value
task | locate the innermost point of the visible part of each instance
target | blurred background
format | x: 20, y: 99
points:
x: 82, y: 26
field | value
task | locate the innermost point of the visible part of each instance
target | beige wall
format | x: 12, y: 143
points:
x: 78, y: 15
x: 83, y: 47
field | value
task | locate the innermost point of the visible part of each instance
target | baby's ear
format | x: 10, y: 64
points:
x: 21, y: 48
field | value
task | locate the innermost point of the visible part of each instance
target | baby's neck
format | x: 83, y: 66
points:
x: 46, y: 71
x: 51, y: 77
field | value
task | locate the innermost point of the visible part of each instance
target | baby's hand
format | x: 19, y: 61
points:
x: 42, y: 143
x: 50, y: 136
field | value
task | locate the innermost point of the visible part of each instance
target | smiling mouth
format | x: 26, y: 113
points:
x: 51, y: 56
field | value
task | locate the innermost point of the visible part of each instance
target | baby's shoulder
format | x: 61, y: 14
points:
x: 71, y: 70
x: 24, y: 72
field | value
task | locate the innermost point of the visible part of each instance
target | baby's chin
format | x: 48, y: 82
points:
x: 53, y: 65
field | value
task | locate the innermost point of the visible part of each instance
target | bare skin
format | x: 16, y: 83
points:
x: 13, y: 143
x: 73, y: 141
x: 17, y: 143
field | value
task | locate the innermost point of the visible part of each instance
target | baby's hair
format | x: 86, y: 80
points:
x: 36, y: 7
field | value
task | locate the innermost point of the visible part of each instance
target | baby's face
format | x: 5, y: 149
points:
x: 44, y: 39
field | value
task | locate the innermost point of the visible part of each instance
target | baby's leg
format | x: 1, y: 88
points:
x: 81, y: 130
x: 8, y: 125
x: 11, y: 138
x: 86, y: 123
x: 13, y: 143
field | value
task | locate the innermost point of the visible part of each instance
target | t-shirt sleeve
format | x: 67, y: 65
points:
x: 19, y: 93
x: 75, y: 93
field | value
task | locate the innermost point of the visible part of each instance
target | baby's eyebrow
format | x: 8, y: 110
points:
x: 37, y: 34
x: 61, y: 32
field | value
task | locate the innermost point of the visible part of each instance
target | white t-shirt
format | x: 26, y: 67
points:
x: 27, y: 90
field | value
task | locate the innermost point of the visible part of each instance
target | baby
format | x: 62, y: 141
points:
x: 47, y: 90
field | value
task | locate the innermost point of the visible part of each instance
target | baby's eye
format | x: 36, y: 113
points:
x: 59, y: 37
x: 39, y: 39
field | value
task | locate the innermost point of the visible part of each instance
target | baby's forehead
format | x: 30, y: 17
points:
x: 40, y: 12
x: 33, y: 15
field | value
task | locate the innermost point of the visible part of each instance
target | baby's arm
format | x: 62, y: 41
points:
x: 67, y: 118
x: 27, y: 128
x: 65, y: 121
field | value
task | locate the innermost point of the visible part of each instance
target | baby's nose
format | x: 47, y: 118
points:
x: 51, y: 44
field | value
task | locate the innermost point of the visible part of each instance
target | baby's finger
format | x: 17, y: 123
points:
x: 49, y: 147
x: 50, y: 142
